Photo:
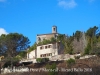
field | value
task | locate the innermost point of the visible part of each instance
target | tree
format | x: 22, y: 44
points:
x: 53, y: 40
x: 91, y: 31
x: 87, y: 49
x: 2, y: 46
x: 70, y: 62
x: 12, y: 43
x: 33, y: 47
x: 52, y: 69
x: 78, y: 35
x: 93, y: 36
x: 61, y: 37
x: 22, y: 54
x: 68, y: 45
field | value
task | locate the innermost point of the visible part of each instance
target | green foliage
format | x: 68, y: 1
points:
x: 70, y: 51
x: 93, y: 40
x: 68, y: 45
x: 12, y: 43
x: 87, y: 49
x: 45, y: 41
x: 52, y: 69
x: 96, y: 51
x: 8, y: 64
x: 78, y: 35
x: 22, y: 54
x: 70, y: 62
x: 91, y: 31
x: 2, y: 42
x: 32, y: 47
x: 40, y: 60
x: 61, y: 38
x: 77, y: 57
x: 53, y: 40
x: 11, y: 61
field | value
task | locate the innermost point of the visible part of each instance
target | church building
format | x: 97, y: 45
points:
x: 46, y: 50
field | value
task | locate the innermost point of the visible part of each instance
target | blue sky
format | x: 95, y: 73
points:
x: 32, y: 17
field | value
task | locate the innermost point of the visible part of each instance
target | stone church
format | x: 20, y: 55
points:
x: 48, y: 50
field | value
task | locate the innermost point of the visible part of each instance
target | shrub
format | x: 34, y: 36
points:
x: 70, y: 62
x: 77, y: 57
x: 40, y: 60
x: 53, y: 68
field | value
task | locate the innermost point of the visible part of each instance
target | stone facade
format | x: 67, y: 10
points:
x: 54, y: 34
x: 48, y: 50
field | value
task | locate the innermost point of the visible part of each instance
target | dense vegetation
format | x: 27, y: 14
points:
x: 12, y: 47
x: 13, y: 44
x: 80, y: 42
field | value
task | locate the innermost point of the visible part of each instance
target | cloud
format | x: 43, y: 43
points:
x: 67, y: 3
x: 2, y: 31
x: 2, y: 0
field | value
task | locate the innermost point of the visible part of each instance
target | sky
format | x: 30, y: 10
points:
x: 32, y: 17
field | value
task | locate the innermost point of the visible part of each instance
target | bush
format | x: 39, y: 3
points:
x: 51, y: 67
x: 77, y: 57
x: 40, y: 60
x: 8, y: 63
x: 70, y: 62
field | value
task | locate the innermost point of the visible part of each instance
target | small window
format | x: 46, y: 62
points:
x: 53, y: 29
x: 44, y: 55
x: 40, y: 48
x: 47, y: 54
x: 49, y: 46
x: 50, y: 54
x: 40, y: 55
x: 45, y: 47
x: 39, y: 39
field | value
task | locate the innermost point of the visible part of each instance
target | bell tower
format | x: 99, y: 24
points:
x: 54, y: 29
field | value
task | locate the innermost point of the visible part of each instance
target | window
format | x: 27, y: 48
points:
x: 40, y: 48
x: 45, y: 47
x: 44, y: 55
x: 47, y: 54
x: 50, y: 54
x: 53, y: 29
x: 49, y: 46
x: 39, y: 39
x: 40, y: 55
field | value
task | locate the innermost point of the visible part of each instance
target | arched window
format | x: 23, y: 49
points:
x: 39, y: 39
x: 54, y: 29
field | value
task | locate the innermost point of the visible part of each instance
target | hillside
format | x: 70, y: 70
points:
x: 89, y: 66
